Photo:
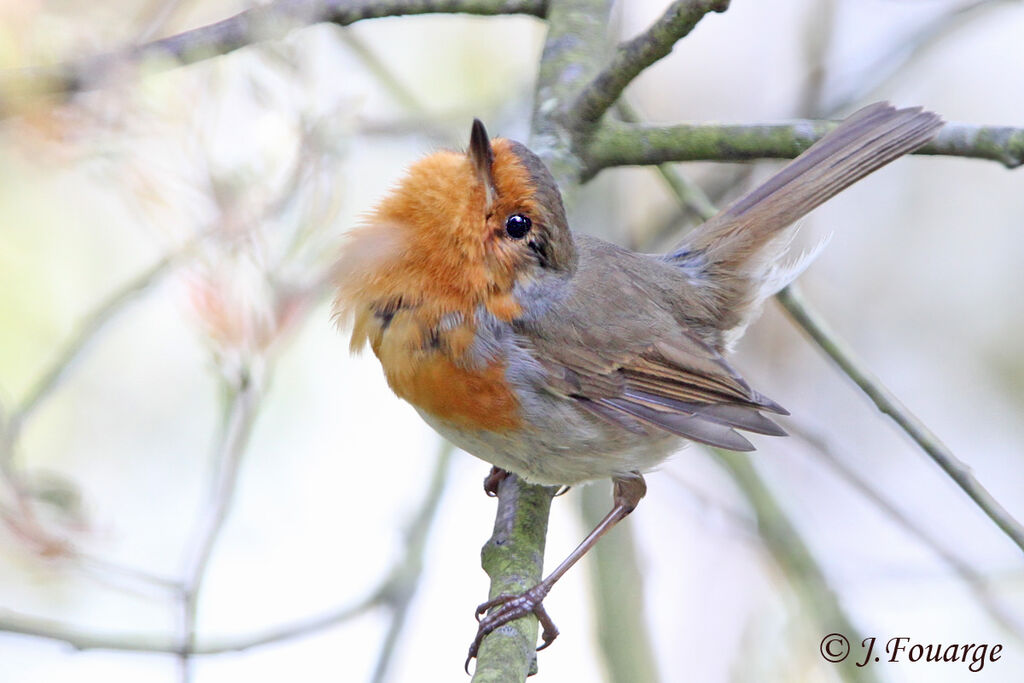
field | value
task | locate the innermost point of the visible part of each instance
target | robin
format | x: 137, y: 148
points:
x: 563, y: 358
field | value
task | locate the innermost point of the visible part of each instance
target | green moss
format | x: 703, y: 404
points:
x: 513, y: 558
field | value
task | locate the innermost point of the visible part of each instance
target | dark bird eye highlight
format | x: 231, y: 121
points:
x: 517, y: 225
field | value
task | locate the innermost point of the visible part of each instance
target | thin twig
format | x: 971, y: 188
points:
x: 383, y: 75
x: 821, y: 25
x: 635, y: 55
x: 971, y: 578
x: 264, y: 22
x: 106, y: 571
x: 243, y: 406
x: 14, y: 622
x: 23, y: 520
x: 624, y: 144
x: 837, y: 349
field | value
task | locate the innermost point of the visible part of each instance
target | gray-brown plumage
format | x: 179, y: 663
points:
x: 606, y: 356
x: 637, y: 340
x: 564, y: 358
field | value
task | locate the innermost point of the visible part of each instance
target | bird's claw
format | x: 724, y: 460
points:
x: 509, y: 608
x: 482, y: 608
x: 492, y: 480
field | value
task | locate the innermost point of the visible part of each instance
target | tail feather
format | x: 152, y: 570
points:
x: 733, y: 251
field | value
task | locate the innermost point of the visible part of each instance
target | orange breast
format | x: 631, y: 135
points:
x: 473, y: 399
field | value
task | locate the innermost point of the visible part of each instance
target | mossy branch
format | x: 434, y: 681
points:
x: 837, y: 349
x: 625, y: 144
x: 573, y: 49
x: 514, y: 559
x: 514, y: 556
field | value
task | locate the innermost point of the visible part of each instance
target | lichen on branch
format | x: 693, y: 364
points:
x: 624, y: 144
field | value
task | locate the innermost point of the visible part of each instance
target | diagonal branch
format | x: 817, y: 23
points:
x: 623, y: 144
x: 977, y: 583
x: 816, y: 327
x: 635, y: 55
x: 264, y: 22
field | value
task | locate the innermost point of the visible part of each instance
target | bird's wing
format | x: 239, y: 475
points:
x: 678, y: 384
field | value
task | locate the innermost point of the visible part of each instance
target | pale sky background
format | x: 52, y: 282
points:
x: 922, y: 276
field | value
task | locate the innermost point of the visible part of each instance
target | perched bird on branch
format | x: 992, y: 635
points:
x: 564, y: 358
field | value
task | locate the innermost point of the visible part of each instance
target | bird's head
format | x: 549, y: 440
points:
x: 461, y: 230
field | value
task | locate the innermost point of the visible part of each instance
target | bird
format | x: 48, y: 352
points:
x: 563, y: 358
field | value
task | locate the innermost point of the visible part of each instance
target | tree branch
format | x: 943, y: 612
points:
x: 623, y: 144
x: 265, y: 22
x: 24, y: 522
x: 690, y: 195
x: 635, y: 55
x: 829, y: 342
x: 816, y: 327
x: 574, y: 46
x: 243, y: 407
x: 513, y: 557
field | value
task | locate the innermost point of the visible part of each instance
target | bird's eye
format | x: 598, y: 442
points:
x: 517, y: 225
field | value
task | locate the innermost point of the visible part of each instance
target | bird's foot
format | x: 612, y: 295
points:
x: 509, y: 608
x: 491, y: 481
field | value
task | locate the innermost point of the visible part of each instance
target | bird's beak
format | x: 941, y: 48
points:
x: 482, y: 156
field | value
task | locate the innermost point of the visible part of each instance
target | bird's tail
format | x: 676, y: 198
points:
x: 734, y: 253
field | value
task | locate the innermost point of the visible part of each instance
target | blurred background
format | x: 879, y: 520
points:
x: 190, y: 454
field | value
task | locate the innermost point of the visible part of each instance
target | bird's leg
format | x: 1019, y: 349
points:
x: 627, y: 493
x: 492, y: 480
